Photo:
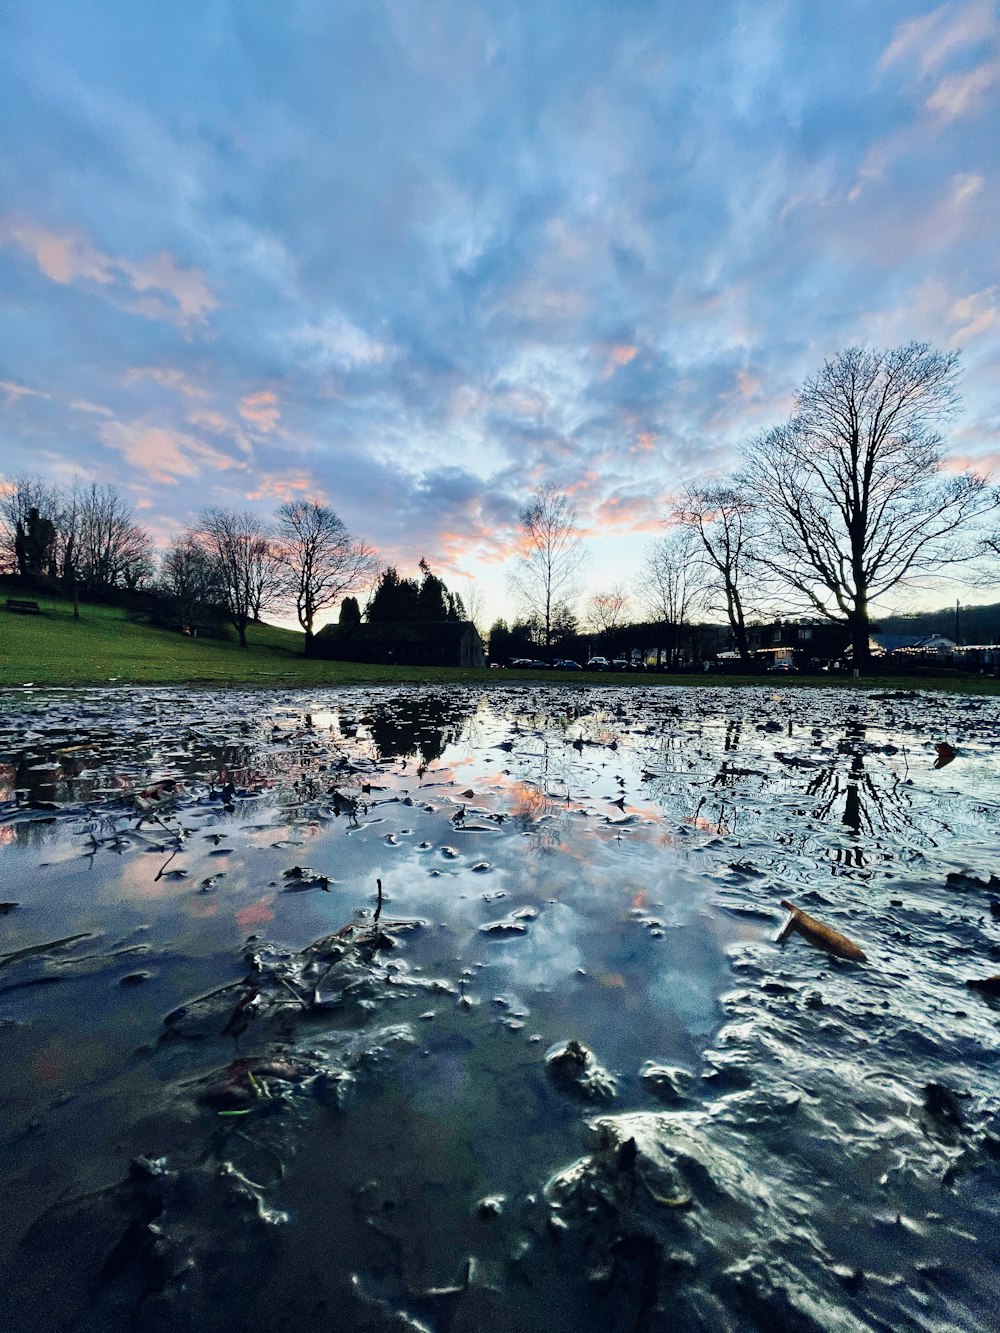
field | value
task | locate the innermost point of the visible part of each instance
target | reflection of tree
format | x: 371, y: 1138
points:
x: 853, y: 799
x: 417, y: 726
x: 870, y: 806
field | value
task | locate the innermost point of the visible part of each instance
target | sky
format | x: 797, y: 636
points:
x: 417, y: 258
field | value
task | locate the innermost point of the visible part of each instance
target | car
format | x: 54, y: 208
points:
x: 620, y: 664
x: 521, y: 662
x: 537, y: 664
x: 566, y: 664
x: 783, y: 668
x: 598, y: 664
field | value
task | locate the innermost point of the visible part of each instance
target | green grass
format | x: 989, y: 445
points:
x: 103, y: 645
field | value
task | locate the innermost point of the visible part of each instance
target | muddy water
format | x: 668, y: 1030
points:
x: 559, y: 1073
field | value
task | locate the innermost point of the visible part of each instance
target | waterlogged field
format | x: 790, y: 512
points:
x: 559, y: 1073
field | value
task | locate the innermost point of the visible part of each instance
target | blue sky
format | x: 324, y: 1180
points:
x: 417, y: 258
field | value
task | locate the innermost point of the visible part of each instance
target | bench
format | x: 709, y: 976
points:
x: 24, y: 608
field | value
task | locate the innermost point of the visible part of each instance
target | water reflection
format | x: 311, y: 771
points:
x: 416, y: 727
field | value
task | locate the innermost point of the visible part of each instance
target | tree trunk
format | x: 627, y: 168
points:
x: 859, y: 628
x: 241, y: 628
x: 310, y: 641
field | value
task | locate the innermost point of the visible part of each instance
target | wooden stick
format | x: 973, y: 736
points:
x: 823, y: 936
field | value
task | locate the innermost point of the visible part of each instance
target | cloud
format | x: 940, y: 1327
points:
x: 167, y: 377
x: 13, y: 392
x: 163, y: 454
x: 335, y: 341
x: 95, y: 409
x: 974, y: 314
x: 260, y: 410
x: 931, y: 38
x: 188, y: 297
x: 962, y: 94
x: 178, y: 295
x: 281, y: 486
x: 65, y: 258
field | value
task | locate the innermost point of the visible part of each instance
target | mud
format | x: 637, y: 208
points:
x: 450, y: 1010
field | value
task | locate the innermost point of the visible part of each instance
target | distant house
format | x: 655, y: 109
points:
x: 913, y: 643
x: 454, y: 643
x: 798, y: 640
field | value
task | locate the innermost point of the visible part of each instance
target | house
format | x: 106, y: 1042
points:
x: 913, y: 643
x: 404, y: 643
x: 798, y: 640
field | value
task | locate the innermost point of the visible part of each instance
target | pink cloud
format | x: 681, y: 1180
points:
x: 275, y: 486
x: 260, y: 409
x: 65, y: 258
x: 619, y: 354
x: 167, y: 377
x: 185, y: 287
x: 167, y: 291
x: 163, y: 454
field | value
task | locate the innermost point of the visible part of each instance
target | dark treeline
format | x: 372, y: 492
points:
x: 229, y: 566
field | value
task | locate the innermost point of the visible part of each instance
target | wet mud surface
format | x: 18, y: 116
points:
x: 399, y: 1010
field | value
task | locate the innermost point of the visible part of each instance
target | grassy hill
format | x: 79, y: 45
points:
x: 105, y: 645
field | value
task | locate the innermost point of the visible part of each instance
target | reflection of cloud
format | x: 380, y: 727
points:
x: 254, y: 914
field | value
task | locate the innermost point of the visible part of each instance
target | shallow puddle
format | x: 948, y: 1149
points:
x: 452, y: 1009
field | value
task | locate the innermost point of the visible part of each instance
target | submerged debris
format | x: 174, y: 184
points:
x: 817, y: 933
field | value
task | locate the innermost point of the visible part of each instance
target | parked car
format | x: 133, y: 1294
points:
x: 783, y: 668
x: 566, y: 664
x: 620, y: 664
x: 598, y: 664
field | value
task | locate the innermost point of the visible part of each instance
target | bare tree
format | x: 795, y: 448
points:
x: 721, y: 516
x: 321, y: 561
x: 110, y: 550
x: 608, y: 611
x: 852, y: 486
x: 474, y: 600
x: 243, y: 551
x: 553, y: 552
x: 29, y: 508
x: 189, y: 574
x: 672, y: 584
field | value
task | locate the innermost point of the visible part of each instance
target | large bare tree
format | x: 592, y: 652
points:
x: 321, y: 561
x: 672, y: 584
x: 545, y: 573
x: 853, y: 488
x: 243, y: 550
x: 721, y: 515
x: 109, y: 549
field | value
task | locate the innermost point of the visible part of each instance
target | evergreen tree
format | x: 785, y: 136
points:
x: 394, y: 600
